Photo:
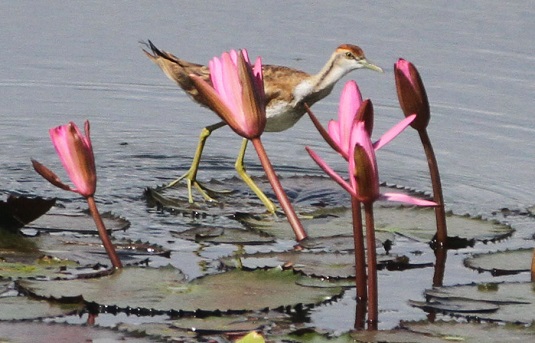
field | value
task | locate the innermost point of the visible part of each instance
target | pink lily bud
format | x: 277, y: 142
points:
x: 76, y: 154
x: 411, y: 93
x: 365, y: 175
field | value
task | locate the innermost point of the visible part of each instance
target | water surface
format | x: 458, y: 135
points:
x: 63, y: 61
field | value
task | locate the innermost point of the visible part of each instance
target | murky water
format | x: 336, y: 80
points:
x: 63, y: 61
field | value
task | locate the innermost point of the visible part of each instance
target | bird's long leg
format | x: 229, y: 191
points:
x: 191, y: 174
x: 240, y: 168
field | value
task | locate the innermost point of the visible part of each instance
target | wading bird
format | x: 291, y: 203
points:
x: 287, y: 91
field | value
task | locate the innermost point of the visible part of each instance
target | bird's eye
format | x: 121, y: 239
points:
x: 349, y: 55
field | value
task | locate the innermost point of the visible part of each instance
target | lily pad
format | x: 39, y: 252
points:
x: 18, y: 211
x: 165, y: 289
x: 43, y: 267
x: 15, y: 308
x: 374, y: 336
x: 324, y: 265
x: 471, y: 332
x: 15, y: 243
x: 419, y: 224
x: 89, y: 250
x: 219, y: 235
x: 502, y: 263
x: 415, y: 223
x: 323, y: 229
x: 515, y: 301
x: 77, y: 222
x: 51, y: 332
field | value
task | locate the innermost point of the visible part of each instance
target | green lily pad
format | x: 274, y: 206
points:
x: 89, y: 249
x: 394, y: 336
x: 77, y: 222
x: 323, y: 230
x: 419, y: 224
x: 51, y: 332
x: 218, y: 235
x: 515, y: 301
x: 324, y: 265
x: 43, y: 267
x: 415, y: 223
x: 15, y: 308
x: 471, y: 332
x: 165, y: 289
x: 502, y: 263
x: 15, y: 243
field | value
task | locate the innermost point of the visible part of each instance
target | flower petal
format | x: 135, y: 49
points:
x: 400, y: 197
x: 332, y: 174
x: 393, y: 132
x: 49, y: 175
x: 330, y: 139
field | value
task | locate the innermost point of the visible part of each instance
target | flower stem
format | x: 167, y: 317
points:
x: 373, y: 312
x: 441, y: 254
x: 360, y: 259
x: 533, y: 267
x: 440, y: 213
x: 294, y: 221
x: 112, y: 254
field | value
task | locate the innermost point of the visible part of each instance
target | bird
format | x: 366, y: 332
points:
x: 288, y: 91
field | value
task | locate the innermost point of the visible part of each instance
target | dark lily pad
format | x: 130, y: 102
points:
x: 515, y: 301
x: 18, y: 211
x: 165, y: 289
x: 502, y: 263
x: 77, y: 222
x: 50, y: 332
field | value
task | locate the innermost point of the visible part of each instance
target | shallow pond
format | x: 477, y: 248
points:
x: 71, y: 61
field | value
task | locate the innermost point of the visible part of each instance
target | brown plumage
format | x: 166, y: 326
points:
x: 286, y: 89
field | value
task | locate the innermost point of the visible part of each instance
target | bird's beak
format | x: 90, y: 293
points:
x: 371, y: 66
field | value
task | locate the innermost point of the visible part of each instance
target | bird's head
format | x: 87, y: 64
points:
x: 351, y: 57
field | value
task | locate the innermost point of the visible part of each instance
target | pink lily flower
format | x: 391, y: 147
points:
x: 364, y: 180
x: 76, y: 154
x: 353, y: 109
x: 237, y: 89
x: 237, y: 96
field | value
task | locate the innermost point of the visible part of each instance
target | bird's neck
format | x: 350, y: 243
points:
x: 318, y: 86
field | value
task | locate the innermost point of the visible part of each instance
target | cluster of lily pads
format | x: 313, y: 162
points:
x: 266, y: 292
